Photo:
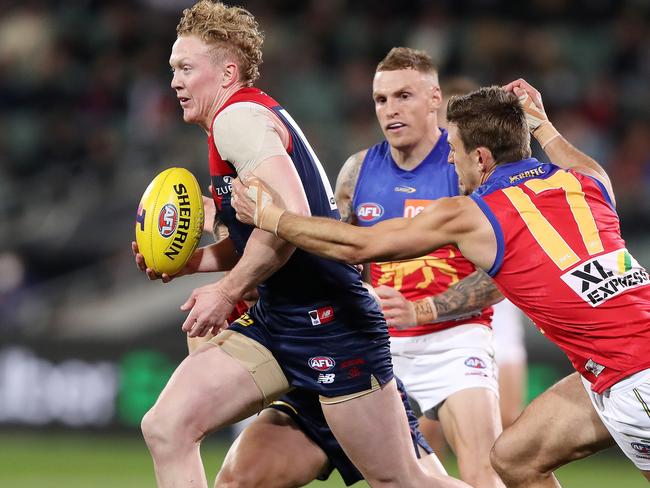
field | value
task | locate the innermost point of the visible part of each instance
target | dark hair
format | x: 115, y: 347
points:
x: 407, y: 58
x: 493, y: 118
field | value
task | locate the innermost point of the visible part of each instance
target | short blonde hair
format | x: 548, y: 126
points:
x: 231, y: 29
x: 407, y: 58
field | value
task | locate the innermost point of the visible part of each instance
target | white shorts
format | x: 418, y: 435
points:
x: 625, y: 410
x: 508, y: 327
x: 434, y: 366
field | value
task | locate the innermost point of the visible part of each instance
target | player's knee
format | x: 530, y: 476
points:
x: 503, y: 456
x: 515, y: 462
x: 234, y: 475
x: 164, y: 434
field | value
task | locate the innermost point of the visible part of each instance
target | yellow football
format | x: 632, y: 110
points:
x: 169, y: 221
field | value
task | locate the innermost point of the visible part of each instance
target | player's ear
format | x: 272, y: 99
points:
x: 484, y: 158
x: 436, y: 98
x: 230, y: 74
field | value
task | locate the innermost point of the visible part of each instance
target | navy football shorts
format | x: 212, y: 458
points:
x: 328, y: 349
x: 305, y: 409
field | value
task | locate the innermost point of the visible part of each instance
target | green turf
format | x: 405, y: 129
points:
x: 101, y: 461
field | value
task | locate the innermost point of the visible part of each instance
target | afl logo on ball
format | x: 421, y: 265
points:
x: 369, y: 211
x: 321, y: 363
x: 167, y: 220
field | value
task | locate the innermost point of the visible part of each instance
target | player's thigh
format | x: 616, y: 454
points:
x: 471, y: 421
x: 209, y: 389
x: 545, y: 423
x: 272, y: 451
x: 373, y: 430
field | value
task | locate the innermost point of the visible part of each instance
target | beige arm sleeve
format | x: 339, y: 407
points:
x: 246, y: 134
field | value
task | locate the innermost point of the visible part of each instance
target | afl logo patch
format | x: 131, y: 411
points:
x: 475, y: 362
x: 369, y: 211
x: 167, y: 220
x: 321, y: 363
x: 642, y: 448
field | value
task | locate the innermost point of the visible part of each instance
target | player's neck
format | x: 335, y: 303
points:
x: 220, y: 99
x: 409, y: 158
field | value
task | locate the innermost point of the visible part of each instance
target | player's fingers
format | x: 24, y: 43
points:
x: 189, y: 303
x: 218, y: 328
x: 189, y: 322
x: 200, y: 327
x: 134, y: 248
x: 166, y: 278
x: 238, y: 186
x: 385, y: 291
x: 390, y: 314
x: 139, y: 261
x: 389, y: 303
x: 151, y: 274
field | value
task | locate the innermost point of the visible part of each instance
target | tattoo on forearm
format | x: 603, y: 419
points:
x: 424, y: 311
x: 467, y: 297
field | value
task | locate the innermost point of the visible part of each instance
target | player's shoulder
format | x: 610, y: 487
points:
x: 240, y: 111
x: 459, y: 212
x: 354, y: 162
x: 240, y: 122
x: 349, y: 173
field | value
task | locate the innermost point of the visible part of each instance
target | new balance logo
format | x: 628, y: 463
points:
x: 326, y: 379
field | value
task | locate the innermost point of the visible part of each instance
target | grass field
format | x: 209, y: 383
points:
x: 29, y: 460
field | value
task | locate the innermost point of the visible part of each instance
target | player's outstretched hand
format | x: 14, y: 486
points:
x: 139, y: 262
x: 257, y: 204
x: 398, y: 311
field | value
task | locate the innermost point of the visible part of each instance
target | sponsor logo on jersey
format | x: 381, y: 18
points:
x: 245, y: 320
x: 222, y: 185
x: 321, y: 363
x: 405, y: 189
x: 326, y: 379
x: 354, y: 372
x: 321, y: 316
x: 369, y: 211
x: 594, y: 367
x: 531, y: 173
x: 606, y: 276
x: 640, y: 447
x: 348, y: 363
x: 474, y: 362
x: 413, y: 206
x: 167, y: 220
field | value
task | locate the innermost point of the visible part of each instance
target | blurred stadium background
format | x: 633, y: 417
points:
x: 87, y: 118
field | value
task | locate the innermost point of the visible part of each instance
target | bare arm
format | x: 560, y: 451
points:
x: 465, y: 298
x: 345, y: 185
x: 558, y: 149
x: 452, y: 220
x: 470, y: 295
x: 265, y: 253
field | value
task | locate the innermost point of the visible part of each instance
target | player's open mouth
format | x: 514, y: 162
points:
x: 395, y: 126
x: 183, y: 100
